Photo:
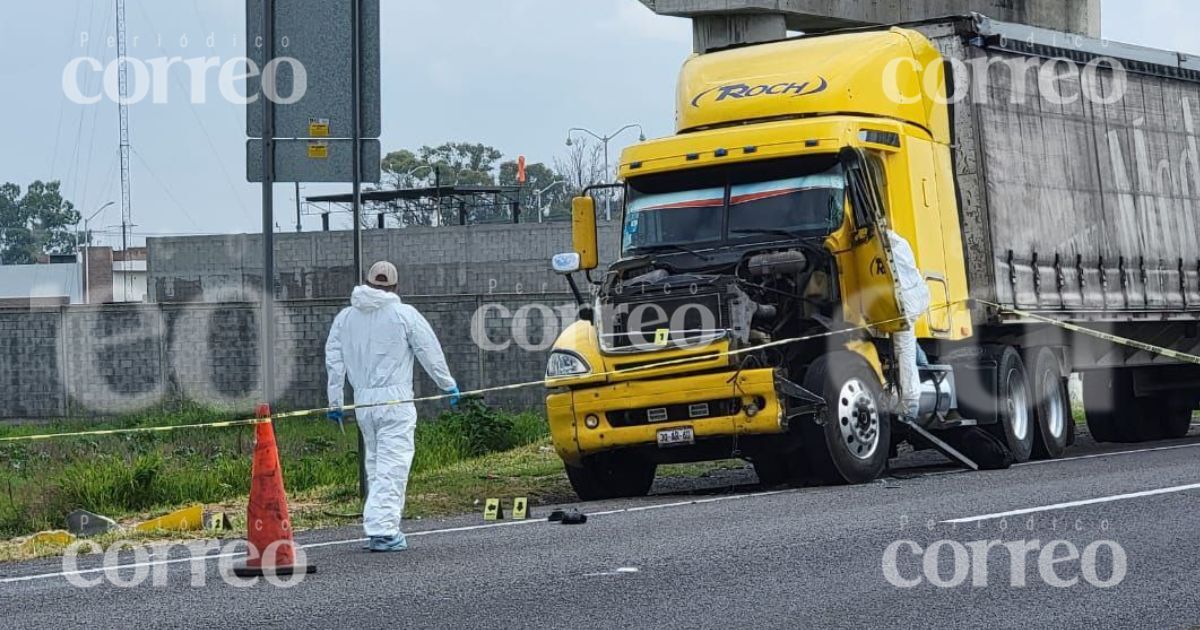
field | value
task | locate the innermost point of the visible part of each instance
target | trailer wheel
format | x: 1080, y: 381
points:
x: 1115, y: 414
x: 1176, y: 420
x: 852, y: 443
x: 1015, y: 423
x: 1052, y: 406
x: 611, y: 476
x: 1100, y: 405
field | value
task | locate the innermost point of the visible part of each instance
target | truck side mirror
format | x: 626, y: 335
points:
x: 583, y: 232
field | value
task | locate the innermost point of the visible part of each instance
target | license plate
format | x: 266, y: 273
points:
x: 676, y: 437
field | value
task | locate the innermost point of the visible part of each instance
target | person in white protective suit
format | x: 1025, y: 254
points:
x: 914, y: 301
x: 375, y: 342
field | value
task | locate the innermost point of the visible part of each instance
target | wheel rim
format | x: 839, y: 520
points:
x: 1056, y: 421
x: 1018, y: 405
x: 858, y: 419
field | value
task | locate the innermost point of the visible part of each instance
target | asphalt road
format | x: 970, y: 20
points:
x: 728, y: 554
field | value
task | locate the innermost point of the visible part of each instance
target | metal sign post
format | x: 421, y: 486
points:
x: 267, y: 346
x: 356, y: 101
x: 326, y: 123
x: 356, y: 206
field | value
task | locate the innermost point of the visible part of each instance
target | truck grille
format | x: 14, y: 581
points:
x: 656, y: 322
x: 674, y: 413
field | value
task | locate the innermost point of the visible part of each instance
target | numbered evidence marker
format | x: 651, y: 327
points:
x: 520, y: 509
x: 217, y: 522
x: 318, y: 150
x: 318, y: 127
x: 492, y: 511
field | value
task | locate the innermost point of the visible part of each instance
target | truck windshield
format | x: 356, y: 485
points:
x: 799, y: 196
x: 804, y: 205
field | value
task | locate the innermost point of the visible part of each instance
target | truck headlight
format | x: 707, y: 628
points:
x: 565, y: 363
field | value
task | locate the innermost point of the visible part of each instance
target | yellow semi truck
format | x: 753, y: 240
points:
x: 750, y: 308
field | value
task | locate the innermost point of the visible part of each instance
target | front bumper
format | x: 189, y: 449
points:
x: 631, y: 413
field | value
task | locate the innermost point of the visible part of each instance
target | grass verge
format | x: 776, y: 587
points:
x: 131, y: 476
x: 461, y: 459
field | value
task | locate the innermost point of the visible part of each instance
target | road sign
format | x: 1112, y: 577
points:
x: 314, y: 161
x: 318, y: 35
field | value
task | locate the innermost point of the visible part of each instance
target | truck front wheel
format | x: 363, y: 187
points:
x: 610, y: 476
x: 851, y: 443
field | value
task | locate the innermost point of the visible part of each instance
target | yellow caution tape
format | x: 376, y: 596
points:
x: 1091, y: 332
x: 475, y: 392
x: 173, y: 427
x: 1133, y: 343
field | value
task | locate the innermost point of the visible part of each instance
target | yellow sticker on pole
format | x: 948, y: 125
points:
x: 662, y: 336
x: 318, y: 128
x: 318, y: 150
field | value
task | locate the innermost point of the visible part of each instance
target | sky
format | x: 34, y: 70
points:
x: 515, y: 75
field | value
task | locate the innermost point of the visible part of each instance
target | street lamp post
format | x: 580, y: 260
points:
x: 604, y: 139
x: 539, y: 193
x: 411, y: 172
x: 87, y: 297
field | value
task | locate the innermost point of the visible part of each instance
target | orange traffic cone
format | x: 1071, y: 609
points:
x: 268, y: 527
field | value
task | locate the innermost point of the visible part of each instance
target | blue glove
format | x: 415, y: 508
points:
x: 337, y: 416
x: 455, y: 395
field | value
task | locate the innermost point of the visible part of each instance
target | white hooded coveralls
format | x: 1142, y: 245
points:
x: 914, y: 301
x: 374, y: 342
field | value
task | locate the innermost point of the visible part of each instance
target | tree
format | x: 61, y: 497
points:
x: 451, y: 164
x: 40, y: 222
x: 463, y: 163
x: 403, y: 169
x: 538, y: 176
x: 583, y: 165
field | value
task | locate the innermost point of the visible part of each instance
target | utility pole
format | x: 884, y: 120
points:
x: 123, y: 106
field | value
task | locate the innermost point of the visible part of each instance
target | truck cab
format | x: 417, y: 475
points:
x: 749, y: 310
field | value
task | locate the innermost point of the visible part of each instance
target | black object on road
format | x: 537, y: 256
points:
x: 572, y: 517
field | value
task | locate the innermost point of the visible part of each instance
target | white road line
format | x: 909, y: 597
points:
x: 659, y: 506
x: 644, y: 508
x: 132, y: 565
x: 1071, y: 504
x: 1095, y: 455
x: 448, y: 530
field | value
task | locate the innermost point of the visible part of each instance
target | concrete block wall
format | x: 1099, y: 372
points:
x: 31, y: 365
x: 93, y: 361
x: 450, y: 260
x: 114, y: 357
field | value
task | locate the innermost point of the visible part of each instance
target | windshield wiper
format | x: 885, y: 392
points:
x: 677, y: 247
x: 779, y: 232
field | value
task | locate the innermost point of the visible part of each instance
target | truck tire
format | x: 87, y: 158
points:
x: 1052, y: 405
x: 1175, y: 420
x: 1115, y: 414
x: 1100, y: 405
x: 1014, y: 422
x: 783, y: 468
x: 611, y: 476
x: 851, y: 444
x: 772, y: 470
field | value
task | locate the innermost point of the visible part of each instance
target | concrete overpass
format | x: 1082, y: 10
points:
x: 721, y: 23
